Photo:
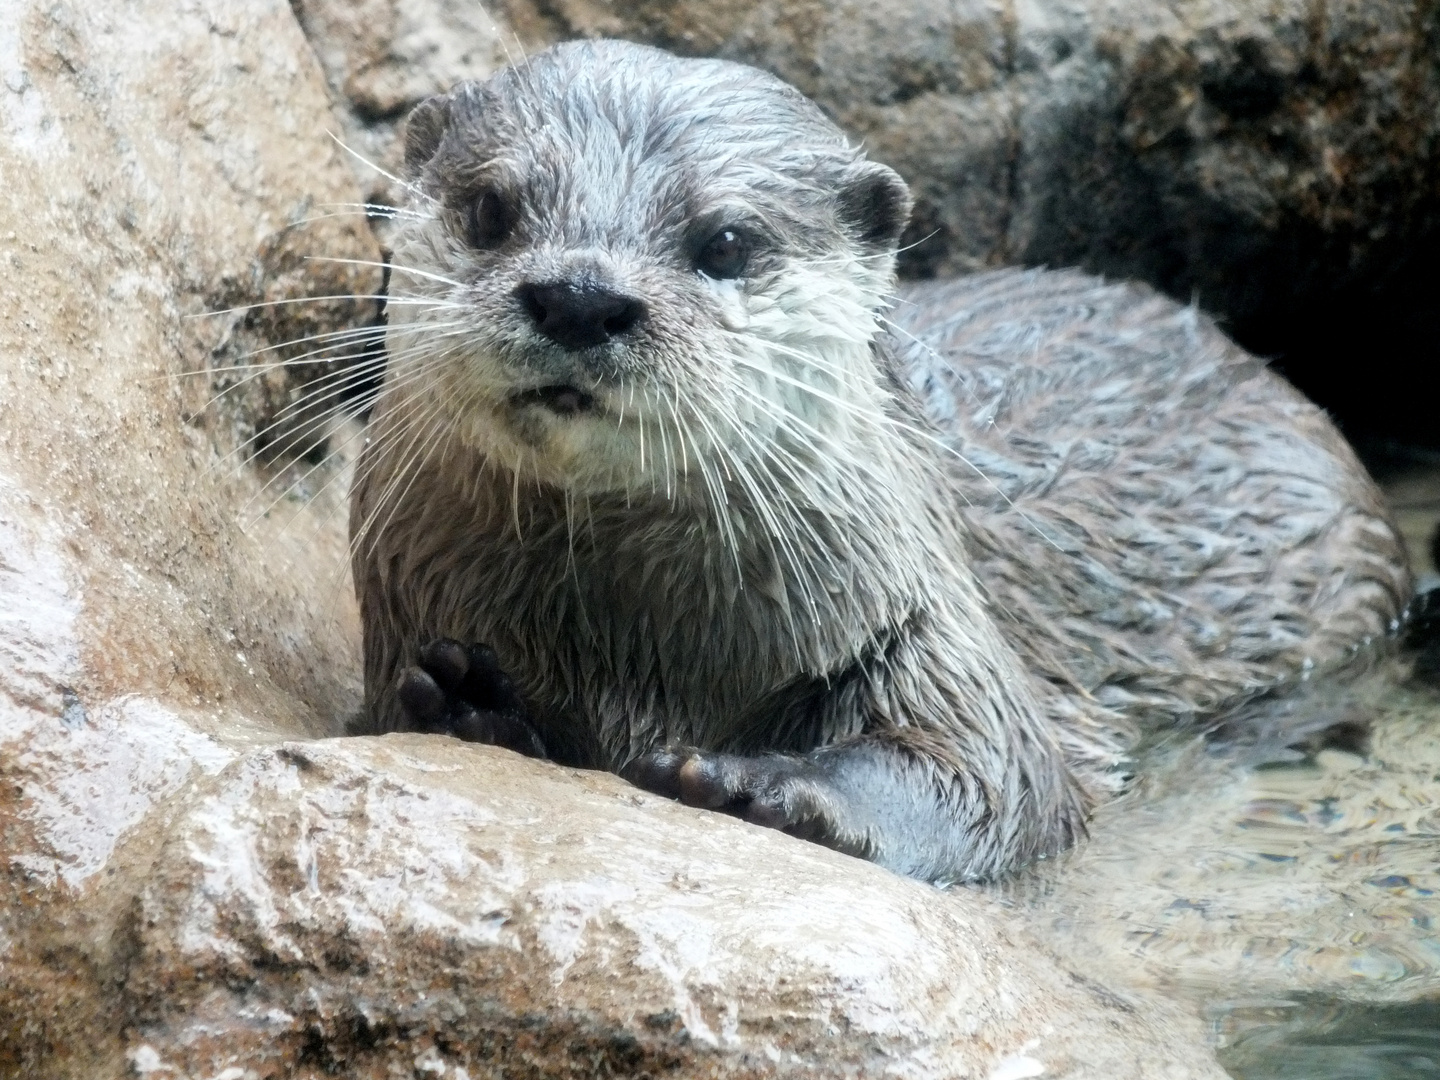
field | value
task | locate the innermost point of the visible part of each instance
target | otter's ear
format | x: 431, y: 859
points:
x: 423, y: 129
x: 875, y: 203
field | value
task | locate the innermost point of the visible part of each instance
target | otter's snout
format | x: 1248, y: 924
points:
x: 578, y: 315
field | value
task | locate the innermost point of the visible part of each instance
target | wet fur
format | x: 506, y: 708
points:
x: 943, y: 555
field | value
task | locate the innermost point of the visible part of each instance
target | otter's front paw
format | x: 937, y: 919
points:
x: 463, y: 692
x: 776, y: 790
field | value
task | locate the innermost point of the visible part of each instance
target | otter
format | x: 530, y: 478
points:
x: 668, y: 476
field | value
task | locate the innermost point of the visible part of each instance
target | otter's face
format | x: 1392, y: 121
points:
x: 622, y: 270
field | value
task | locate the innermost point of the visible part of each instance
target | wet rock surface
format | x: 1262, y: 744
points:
x: 370, y: 901
x: 382, y: 57
x: 1307, y: 874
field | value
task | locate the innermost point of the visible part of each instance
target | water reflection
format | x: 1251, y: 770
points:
x: 1219, y: 880
x: 1329, y: 1040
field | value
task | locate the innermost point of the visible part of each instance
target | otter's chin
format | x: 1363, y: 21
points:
x: 560, y: 399
x: 586, y: 450
x: 545, y: 418
x: 561, y: 434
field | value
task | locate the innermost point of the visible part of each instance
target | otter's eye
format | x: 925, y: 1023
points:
x: 488, y: 220
x: 724, y: 255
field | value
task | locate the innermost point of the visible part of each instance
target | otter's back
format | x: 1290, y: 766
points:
x: 1160, y: 521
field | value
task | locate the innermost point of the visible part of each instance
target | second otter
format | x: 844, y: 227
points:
x: 900, y: 573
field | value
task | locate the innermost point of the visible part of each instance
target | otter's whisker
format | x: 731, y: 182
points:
x: 241, y: 309
x: 713, y: 483
x: 795, y: 516
x: 947, y: 448
x: 794, y: 425
x: 311, y: 426
x: 668, y: 466
x: 413, y: 458
x: 330, y: 414
x: 876, y: 256
x: 930, y: 351
x: 389, y: 439
x: 295, y: 436
x: 331, y: 350
x: 408, y: 186
x: 796, y: 471
x: 395, y: 268
x: 340, y: 406
x: 775, y: 530
x: 335, y: 341
x: 641, y: 428
x: 515, y: 503
x: 438, y: 441
x: 357, y: 374
x: 380, y: 209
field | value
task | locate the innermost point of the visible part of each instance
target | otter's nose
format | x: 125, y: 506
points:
x: 579, y: 314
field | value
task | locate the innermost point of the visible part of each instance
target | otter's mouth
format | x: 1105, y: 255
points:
x: 562, y: 399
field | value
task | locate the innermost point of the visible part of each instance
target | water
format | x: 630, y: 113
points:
x: 1329, y: 1040
x: 1292, y: 898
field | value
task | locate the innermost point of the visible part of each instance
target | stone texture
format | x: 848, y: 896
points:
x: 196, y: 883
x: 1278, y: 162
x: 381, y: 57
x: 350, y: 905
x: 159, y: 162
x: 156, y: 169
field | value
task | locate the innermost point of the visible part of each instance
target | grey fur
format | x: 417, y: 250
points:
x: 907, y: 588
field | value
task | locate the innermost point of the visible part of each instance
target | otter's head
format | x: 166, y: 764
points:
x: 622, y: 270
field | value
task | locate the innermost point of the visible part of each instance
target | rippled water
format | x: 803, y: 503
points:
x: 1293, y: 898
x: 1329, y: 1040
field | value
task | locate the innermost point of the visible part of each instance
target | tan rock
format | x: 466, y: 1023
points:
x: 158, y: 163
x: 369, y: 901
x: 381, y: 57
x: 159, y: 166
x: 188, y: 907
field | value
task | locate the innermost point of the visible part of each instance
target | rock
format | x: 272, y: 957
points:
x: 1279, y: 163
x: 373, y: 901
x: 196, y: 881
x: 381, y: 57
x: 156, y: 169
x: 159, y: 163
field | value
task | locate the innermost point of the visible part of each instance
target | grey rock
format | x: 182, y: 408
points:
x: 1135, y: 140
x: 381, y: 57
x: 1277, y: 163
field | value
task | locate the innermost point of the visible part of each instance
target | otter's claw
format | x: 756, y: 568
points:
x: 464, y: 692
x: 776, y: 790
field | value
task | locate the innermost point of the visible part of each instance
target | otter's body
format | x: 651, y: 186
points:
x: 899, y: 577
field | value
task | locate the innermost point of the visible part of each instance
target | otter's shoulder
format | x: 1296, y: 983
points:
x: 1066, y: 342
